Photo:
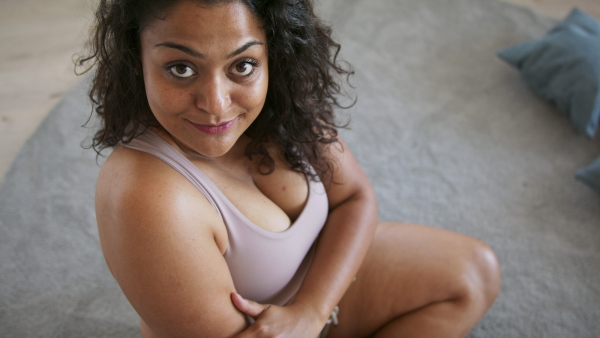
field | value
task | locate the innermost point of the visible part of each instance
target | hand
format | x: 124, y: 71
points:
x: 294, y: 320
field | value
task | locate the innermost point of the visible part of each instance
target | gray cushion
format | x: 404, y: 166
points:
x: 564, y: 67
x: 590, y: 174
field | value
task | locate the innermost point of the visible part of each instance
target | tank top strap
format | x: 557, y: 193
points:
x: 152, y: 144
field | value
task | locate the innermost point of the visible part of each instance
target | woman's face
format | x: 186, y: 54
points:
x: 205, y: 74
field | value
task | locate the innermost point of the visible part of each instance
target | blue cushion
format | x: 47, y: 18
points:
x: 590, y: 175
x: 564, y: 67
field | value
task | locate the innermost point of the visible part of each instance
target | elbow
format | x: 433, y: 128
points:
x: 367, y: 197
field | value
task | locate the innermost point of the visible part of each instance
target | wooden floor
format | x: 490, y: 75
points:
x: 39, y: 38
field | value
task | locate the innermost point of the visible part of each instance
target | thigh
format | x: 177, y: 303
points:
x: 406, y: 268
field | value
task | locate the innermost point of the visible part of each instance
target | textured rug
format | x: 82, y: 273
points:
x: 449, y: 134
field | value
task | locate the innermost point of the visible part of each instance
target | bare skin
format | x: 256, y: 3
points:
x: 419, y: 281
x: 164, y: 242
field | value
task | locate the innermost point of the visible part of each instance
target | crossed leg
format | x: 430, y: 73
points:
x: 419, y: 281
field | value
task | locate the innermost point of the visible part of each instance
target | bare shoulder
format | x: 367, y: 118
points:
x: 160, y: 237
x: 133, y: 185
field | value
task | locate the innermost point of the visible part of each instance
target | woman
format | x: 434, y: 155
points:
x: 230, y: 206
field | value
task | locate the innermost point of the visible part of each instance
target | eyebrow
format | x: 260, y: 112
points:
x: 199, y: 55
x: 243, y: 48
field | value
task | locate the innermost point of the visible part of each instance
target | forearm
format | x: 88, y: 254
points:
x: 340, y: 251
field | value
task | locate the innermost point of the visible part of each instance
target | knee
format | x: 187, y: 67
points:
x: 480, y: 275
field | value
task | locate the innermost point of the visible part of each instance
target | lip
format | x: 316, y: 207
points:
x: 214, y: 128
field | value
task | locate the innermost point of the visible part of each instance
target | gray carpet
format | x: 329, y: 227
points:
x: 449, y: 134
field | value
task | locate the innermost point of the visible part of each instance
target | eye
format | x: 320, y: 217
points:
x: 245, y: 68
x: 181, y: 71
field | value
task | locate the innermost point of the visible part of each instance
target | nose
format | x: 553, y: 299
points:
x: 213, y: 95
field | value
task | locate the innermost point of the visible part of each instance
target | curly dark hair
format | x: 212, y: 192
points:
x: 303, y: 90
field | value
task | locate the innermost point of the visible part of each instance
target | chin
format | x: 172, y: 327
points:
x: 205, y: 149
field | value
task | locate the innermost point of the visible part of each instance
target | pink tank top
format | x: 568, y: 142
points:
x: 267, y: 267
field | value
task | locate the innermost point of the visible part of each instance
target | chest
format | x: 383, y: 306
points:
x: 272, y: 202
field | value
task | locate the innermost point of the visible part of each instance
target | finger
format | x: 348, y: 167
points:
x: 252, y: 309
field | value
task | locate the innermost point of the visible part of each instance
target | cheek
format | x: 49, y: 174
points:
x: 257, y: 94
x: 254, y: 97
x: 162, y: 98
x: 152, y: 90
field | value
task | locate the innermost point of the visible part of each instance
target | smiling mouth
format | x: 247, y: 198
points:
x: 214, y: 129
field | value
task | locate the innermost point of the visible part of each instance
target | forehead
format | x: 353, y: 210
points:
x: 227, y: 23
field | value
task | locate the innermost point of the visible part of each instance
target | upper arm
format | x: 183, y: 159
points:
x: 158, y: 236
x: 349, y: 181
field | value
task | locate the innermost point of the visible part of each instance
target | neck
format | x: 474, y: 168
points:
x: 237, y: 152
